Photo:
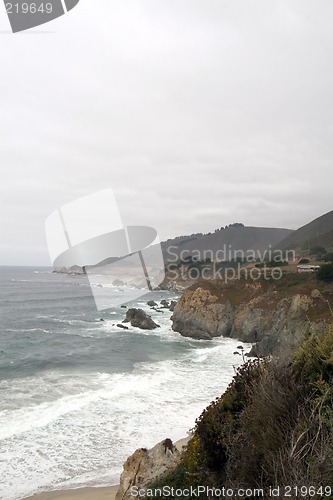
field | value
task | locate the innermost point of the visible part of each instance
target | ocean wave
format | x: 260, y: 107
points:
x: 89, y: 393
x: 83, y: 412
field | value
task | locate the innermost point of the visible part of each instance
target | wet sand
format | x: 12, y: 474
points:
x: 88, y: 493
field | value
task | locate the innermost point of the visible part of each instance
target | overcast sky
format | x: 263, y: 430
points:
x: 196, y: 113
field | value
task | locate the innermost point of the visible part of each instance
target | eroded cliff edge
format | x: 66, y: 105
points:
x: 270, y: 314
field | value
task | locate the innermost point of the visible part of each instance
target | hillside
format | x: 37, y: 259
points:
x: 311, y: 234
x: 324, y: 241
x: 222, y: 244
x: 231, y: 239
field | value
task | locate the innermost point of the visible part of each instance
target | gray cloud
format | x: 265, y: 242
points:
x: 197, y: 114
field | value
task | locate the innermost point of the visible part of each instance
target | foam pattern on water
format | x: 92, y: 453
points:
x: 75, y: 430
x: 78, y: 395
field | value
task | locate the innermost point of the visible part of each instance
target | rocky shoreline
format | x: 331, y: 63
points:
x: 272, y: 317
x: 140, y: 468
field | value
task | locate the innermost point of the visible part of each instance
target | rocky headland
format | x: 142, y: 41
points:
x: 270, y: 314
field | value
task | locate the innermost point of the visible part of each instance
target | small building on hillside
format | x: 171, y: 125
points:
x: 307, y: 268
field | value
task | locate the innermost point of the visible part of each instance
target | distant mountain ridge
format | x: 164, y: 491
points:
x: 235, y: 238
x: 310, y: 234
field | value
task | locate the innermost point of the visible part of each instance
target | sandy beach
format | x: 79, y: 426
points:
x: 89, y: 493
x: 107, y: 493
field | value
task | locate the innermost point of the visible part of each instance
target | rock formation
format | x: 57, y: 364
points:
x: 172, y: 305
x: 202, y: 315
x: 120, y: 325
x: 139, y: 319
x: 267, y: 316
x: 145, y: 466
x: 70, y: 270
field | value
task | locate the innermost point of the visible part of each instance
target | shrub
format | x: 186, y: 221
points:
x: 317, y: 250
x: 219, y: 421
x: 272, y: 427
x: 325, y: 273
x: 264, y: 426
x: 313, y: 361
x: 328, y: 257
x: 273, y: 263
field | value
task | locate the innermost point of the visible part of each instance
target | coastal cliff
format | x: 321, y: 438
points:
x: 273, y: 425
x: 268, y: 314
x: 145, y: 466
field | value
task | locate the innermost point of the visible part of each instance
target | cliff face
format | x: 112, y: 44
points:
x: 145, y: 466
x: 266, y: 315
x: 201, y: 314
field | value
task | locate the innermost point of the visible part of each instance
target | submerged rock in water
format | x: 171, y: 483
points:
x: 139, y: 319
x: 172, y: 305
x: 158, y: 310
x: 120, y: 325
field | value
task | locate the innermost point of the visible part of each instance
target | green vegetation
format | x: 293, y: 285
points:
x: 325, y: 273
x: 317, y: 250
x: 304, y: 261
x: 328, y: 257
x: 272, y: 427
x: 272, y: 263
x: 325, y: 240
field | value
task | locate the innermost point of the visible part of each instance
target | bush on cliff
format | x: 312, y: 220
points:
x: 218, y: 423
x: 325, y: 273
x: 272, y: 427
x: 328, y: 257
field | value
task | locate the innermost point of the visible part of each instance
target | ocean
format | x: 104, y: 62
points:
x: 78, y: 395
